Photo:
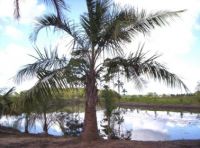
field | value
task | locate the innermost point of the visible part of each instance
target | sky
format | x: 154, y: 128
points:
x: 178, y: 43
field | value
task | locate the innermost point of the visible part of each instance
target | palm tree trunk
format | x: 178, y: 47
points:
x: 109, y: 128
x: 26, y: 124
x: 90, y: 130
x: 45, y: 127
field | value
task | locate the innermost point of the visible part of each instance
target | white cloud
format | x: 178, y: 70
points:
x: 6, y: 8
x: 31, y: 9
x: 28, y: 9
x: 12, y: 58
x: 13, y: 32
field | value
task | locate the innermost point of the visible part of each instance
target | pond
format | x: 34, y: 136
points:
x: 144, y: 125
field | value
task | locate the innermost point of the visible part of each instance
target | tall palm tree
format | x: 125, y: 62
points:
x: 104, y: 28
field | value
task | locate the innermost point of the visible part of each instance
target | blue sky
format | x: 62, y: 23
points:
x: 178, y: 43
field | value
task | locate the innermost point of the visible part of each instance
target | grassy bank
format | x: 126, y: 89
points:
x: 164, y: 100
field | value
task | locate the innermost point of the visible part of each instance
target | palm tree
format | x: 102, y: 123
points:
x: 124, y: 91
x: 104, y: 28
x: 119, y: 85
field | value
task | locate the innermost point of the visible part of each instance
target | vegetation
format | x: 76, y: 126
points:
x: 104, y: 28
x: 188, y: 99
x: 6, y: 101
x: 198, y: 87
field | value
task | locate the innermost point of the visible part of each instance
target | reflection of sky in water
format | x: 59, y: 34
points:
x: 145, y: 125
x: 160, y: 125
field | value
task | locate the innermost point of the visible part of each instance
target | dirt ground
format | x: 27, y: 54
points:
x: 41, y: 141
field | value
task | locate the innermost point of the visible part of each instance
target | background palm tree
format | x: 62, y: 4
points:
x: 124, y: 91
x: 104, y: 28
x: 119, y: 85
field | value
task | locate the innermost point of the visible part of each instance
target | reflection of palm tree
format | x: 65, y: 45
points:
x: 181, y: 114
x: 155, y: 113
x: 103, y: 28
x: 198, y: 116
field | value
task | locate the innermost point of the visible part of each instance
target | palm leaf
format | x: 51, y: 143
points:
x: 16, y: 9
x: 44, y: 61
x: 124, y: 24
x: 137, y: 64
x: 59, y: 6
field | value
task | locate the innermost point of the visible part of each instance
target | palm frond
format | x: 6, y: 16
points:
x: 137, y: 65
x: 144, y: 23
x: 124, y: 24
x: 44, y: 61
x: 59, y: 6
x: 16, y: 9
x: 9, y: 92
x: 53, y: 21
x: 94, y: 19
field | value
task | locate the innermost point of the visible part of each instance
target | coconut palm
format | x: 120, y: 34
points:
x: 104, y: 28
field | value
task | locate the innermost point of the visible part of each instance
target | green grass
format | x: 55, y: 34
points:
x: 167, y: 100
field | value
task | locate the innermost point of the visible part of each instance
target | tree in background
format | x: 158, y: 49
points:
x: 198, y: 87
x: 6, y: 102
x: 119, y: 85
x: 104, y: 28
x: 124, y: 91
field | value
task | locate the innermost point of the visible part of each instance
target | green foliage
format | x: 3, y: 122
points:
x: 6, y: 102
x: 73, y: 93
x: 110, y: 97
x: 193, y: 99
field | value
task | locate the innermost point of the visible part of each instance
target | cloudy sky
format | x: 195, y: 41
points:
x: 178, y: 43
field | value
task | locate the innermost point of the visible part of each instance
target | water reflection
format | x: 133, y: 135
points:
x: 162, y: 125
x: 144, y: 124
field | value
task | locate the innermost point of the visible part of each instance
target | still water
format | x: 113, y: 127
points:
x: 144, y: 125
